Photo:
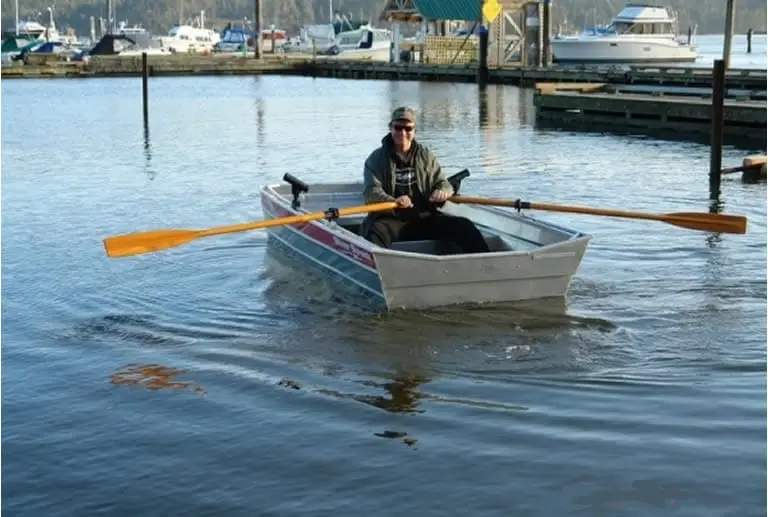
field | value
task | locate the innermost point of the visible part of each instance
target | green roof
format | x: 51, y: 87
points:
x: 466, y: 10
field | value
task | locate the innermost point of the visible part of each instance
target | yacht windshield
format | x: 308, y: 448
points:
x: 620, y: 27
x: 641, y: 28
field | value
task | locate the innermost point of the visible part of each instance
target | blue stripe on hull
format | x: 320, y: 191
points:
x: 347, y: 271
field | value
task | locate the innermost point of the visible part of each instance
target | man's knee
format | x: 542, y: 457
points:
x: 461, y: 223
x: 381, y: 231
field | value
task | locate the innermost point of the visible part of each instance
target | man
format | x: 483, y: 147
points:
x: 404, y: 171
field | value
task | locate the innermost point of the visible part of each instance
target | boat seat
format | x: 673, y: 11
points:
x: 431, y: 247
x: 441, y: 247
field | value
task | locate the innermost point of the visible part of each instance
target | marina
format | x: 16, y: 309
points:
x: 195, y: 321
x: 107, y: 66
x: 228, y: 353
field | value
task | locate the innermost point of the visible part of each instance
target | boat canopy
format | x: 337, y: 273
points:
x: 13, y: 43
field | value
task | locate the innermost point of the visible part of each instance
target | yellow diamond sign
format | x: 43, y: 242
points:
x: 491, y: 10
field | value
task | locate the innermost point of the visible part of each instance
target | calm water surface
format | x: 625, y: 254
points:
x: 216, y: 379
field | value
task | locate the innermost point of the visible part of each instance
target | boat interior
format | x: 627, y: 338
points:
x: 503, y: 231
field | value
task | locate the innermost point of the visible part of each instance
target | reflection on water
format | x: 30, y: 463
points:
x: 403, y: 393
x: 153, y: 377
x: 443, y: 107
x: 148, y: 153
x: 530, y: 336
x: 260, y: 124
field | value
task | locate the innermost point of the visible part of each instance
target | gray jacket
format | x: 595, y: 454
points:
x: 379, y: 179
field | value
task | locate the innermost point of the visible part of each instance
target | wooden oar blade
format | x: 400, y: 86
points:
x: 717, y: 223
x: 146, y: 242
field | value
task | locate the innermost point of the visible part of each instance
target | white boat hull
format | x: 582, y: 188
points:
x: 620, y: 49
x: 366, y: 54
x: 529, y: 259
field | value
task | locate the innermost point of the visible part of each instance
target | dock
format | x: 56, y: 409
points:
x: 681, y: 113
x: 337, y: 67
x: 170, y: 65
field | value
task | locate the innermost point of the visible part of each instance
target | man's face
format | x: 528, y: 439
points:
x: 402, y: 133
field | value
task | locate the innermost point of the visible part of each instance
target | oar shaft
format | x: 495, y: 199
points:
x: 146, y: 242
x: 691, y: 220
x: 554, y: 208
x: 594, y: 211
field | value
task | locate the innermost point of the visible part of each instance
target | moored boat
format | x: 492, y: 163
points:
x: 640, y: 33
x: 528, y: 258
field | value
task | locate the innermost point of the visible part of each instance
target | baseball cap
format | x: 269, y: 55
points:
x: 404, y: 113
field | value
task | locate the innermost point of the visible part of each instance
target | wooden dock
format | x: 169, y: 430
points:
x: 171, y: 65
x: 529, y: 76
x: 304, y: 64
x: 686, y: 115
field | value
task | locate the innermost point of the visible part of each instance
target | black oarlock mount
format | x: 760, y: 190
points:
x: 297, y: 187
x: 522, y: 205
x: 332, y: 214
x: 456, y: 180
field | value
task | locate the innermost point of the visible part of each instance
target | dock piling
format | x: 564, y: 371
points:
x: 546, y: 24
x: 728, y: 33
x: 540, y: 34
x: 145, y: 87
x: 716, y: 135
x: 749, y: 41
x: 257, y: 29
x: 482, y: 66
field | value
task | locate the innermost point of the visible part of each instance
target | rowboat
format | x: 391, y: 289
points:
x: 528, y: 258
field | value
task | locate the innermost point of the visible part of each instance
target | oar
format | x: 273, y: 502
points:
x: 703, y: 221
x: 147, y: 242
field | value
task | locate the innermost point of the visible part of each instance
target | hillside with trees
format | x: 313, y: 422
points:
x: 159, y: 15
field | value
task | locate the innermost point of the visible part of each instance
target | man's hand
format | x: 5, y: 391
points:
x: 438, y: 196
x: 404, y: 202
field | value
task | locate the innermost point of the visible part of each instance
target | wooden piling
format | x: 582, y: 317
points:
x: 716, y: 135
x: 540, y: 34
x: 546, y: 21
x: 257, y: 29
x: 145, y: 87
x: 728, y: 33
x: 749, y: 41
x: 482, y: 67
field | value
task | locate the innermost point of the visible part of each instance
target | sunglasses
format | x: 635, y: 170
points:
x: 401, y: 127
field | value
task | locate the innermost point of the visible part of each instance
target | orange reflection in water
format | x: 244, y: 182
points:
x: 153, y: 377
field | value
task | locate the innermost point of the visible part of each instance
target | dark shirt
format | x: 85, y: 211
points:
x: 406, y: 184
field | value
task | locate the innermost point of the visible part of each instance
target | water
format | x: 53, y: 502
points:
x: 710, y: 47
x: 641, y: 394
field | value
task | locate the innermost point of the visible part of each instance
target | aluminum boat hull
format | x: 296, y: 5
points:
x: 529, y: 258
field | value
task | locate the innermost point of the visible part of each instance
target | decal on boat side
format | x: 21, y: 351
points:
x: 322, y: 235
